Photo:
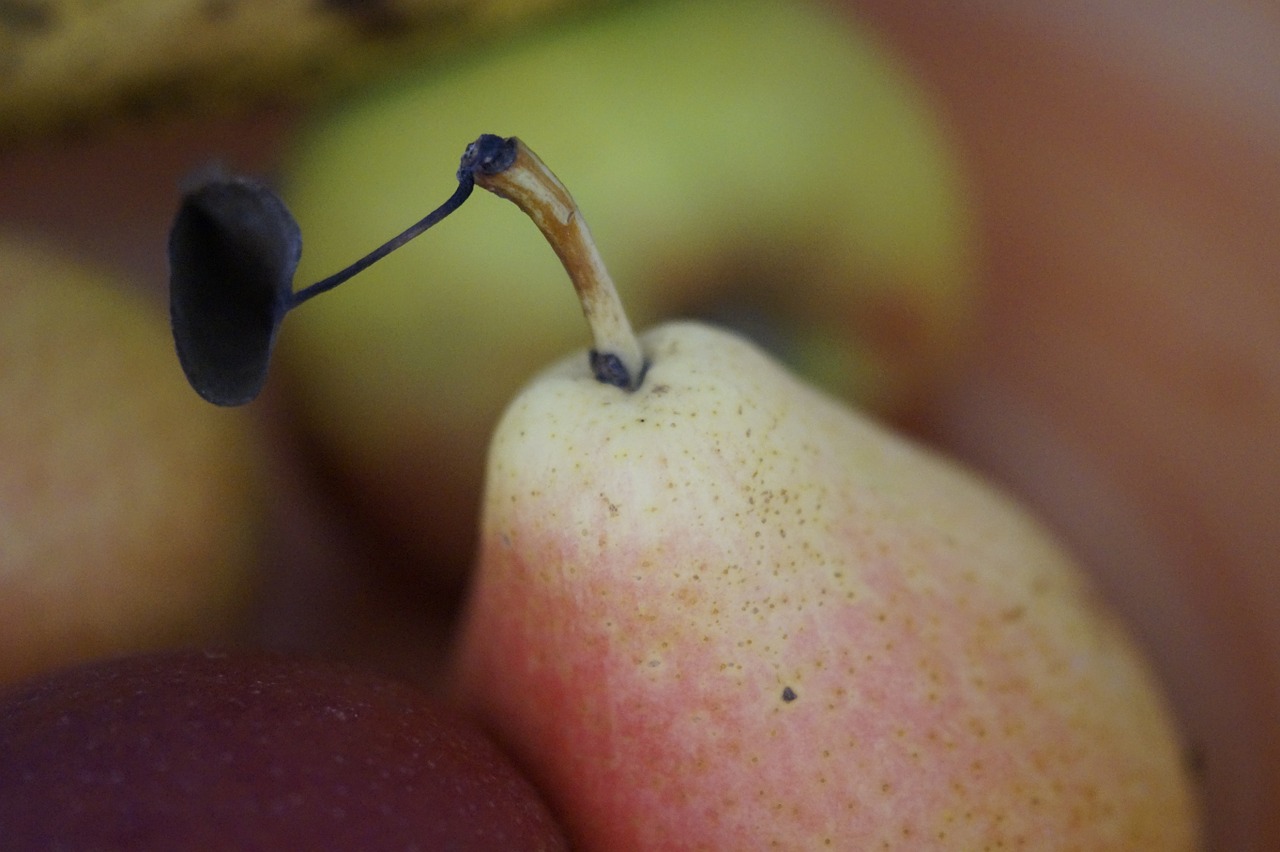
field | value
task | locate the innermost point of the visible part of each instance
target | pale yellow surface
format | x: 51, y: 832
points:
x: 129, y: 508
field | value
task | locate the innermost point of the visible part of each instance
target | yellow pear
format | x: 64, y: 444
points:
x: 129, y: 510
x: 716, y: 608
x: 724, y: 611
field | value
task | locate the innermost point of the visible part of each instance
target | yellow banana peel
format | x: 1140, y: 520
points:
x: 70, y: 64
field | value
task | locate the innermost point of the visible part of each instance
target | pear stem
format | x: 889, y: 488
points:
x: 616, y: 357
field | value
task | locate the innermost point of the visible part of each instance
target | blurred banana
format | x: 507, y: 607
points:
x: 69, y: 64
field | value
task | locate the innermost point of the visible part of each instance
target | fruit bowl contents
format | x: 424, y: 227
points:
x: 682, y: 584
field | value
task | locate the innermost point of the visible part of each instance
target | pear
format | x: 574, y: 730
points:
x: 716, y: 608
x: 130, y: 514
x: 726, y: 611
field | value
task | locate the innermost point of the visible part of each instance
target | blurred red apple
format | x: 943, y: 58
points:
x: 249, y: 751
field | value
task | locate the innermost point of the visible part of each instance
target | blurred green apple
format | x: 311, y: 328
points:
x: 763, y: 164
x: 128, y: 508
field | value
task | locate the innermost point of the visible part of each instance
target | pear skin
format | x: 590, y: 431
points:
x: 724, y: 611
x: 130, y: 511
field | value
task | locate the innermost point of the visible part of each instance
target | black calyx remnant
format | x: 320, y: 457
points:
x: 789, y: 694
x: 233, y: 249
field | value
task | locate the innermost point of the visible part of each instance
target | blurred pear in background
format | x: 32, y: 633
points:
x: 130, y: 511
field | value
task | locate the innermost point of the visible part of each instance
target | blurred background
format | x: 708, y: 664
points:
x: 1040, y: 238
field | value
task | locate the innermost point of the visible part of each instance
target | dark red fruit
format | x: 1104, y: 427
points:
x: 244, y: 752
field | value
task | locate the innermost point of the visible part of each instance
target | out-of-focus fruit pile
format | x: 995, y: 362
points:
x: 338, y: 516
x: 771, y: 166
